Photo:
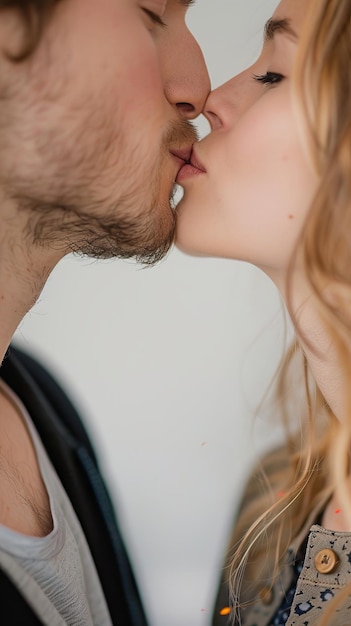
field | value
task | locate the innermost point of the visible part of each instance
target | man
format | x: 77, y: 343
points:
x: 95, y: 102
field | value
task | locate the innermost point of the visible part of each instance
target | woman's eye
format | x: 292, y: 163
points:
x: 270, y: 78
x: 156, y: 19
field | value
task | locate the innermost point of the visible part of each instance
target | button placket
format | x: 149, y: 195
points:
x: 326, y: 561
x: 324, y: 574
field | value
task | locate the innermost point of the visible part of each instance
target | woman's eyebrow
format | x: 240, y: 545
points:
x: 274, y: 26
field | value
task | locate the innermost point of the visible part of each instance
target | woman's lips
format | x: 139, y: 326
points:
x: 190, y: 169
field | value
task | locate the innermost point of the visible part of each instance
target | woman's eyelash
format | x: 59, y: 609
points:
x: 154, y: 17
x: 270, y: 78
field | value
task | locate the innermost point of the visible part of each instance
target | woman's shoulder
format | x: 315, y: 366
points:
x: 265, y: 475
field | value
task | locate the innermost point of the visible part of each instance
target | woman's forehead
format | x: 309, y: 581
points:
x: 293, y: 10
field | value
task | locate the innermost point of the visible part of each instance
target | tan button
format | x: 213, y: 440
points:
x: 266, y: 595
x: 326, y: 561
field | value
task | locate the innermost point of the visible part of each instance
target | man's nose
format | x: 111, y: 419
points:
x: 187, y: 82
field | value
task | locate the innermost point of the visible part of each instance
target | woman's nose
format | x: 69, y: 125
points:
x: 219, y: 105
x: 212, y: 111
x: 226, y: 103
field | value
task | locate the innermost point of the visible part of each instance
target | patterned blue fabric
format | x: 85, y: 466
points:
x: 282, y: 614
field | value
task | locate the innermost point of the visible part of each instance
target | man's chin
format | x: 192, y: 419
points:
x: 147, y: 241
x: 134, y: 225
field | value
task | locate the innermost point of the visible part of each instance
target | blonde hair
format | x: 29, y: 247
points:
x: 315, y: 460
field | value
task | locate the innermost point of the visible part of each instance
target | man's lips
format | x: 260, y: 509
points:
x: 192, y: 167
x: 183, y: 155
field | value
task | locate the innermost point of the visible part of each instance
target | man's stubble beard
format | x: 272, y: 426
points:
x: 134, y: 220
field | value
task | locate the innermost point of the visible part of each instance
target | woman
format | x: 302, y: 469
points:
x: 271, y: 185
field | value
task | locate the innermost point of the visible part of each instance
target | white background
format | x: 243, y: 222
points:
x: 168, y: 365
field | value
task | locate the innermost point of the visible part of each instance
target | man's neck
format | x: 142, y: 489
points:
x: 24, y: 269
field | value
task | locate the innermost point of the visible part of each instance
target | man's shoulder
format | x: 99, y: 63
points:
x: 68, y: 447
x: 43, y: 396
